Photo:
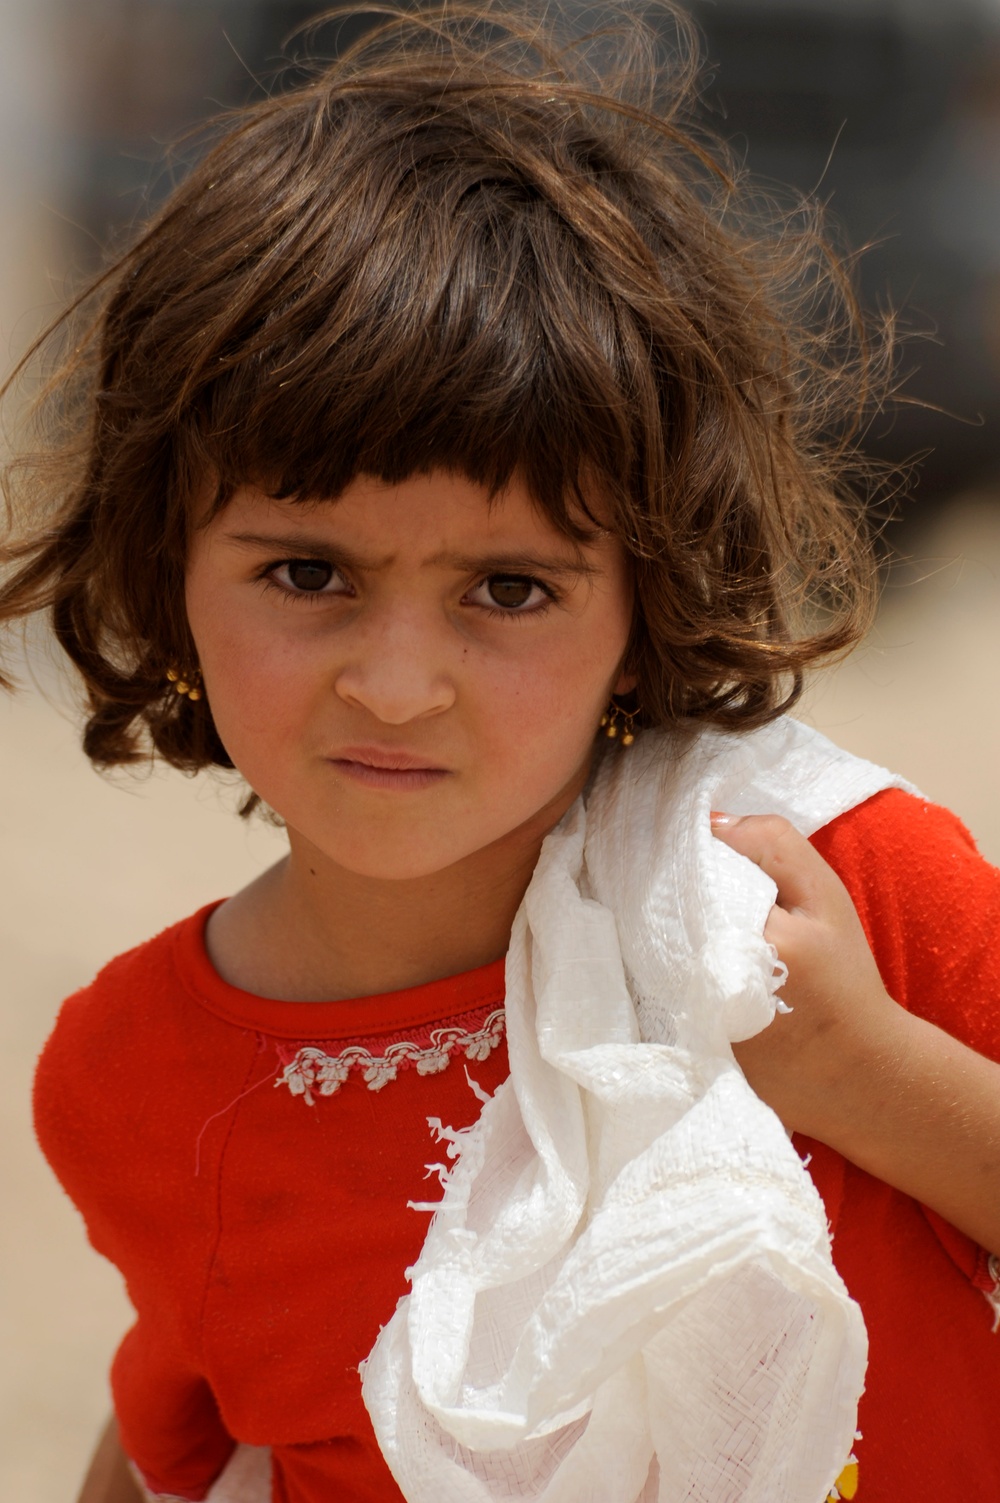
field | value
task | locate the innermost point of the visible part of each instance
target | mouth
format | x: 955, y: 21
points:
x: 385, y: 767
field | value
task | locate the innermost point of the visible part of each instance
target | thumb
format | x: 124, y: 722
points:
x: 770, y: 842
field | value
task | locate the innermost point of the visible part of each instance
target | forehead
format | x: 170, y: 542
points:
x: 424, y: 514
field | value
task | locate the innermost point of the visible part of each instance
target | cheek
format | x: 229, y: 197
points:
x: 556, y: 692
x: 250, y: 677
x: 541, y: 715
x: 259, y: 696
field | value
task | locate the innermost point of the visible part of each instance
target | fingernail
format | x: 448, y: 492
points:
x: 722, y: 819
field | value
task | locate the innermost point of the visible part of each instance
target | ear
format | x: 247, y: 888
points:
x: 625, y: 683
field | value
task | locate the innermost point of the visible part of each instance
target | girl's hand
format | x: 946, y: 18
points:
x: 897, y: 1096
x: 807, y: 1063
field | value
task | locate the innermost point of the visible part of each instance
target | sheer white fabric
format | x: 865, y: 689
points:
x: 627, y: 1292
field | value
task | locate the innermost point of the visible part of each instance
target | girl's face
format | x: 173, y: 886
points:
x: 407, y: 675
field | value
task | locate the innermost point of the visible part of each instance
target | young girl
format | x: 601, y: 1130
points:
x: 450, y: 457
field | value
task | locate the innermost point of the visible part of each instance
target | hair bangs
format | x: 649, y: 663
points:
x: 467, y: 335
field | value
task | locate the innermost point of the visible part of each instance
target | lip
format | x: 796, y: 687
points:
x: 387, y: 767
x: 386, y: 759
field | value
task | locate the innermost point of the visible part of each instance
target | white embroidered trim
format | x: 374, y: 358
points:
x: 312, y: 1068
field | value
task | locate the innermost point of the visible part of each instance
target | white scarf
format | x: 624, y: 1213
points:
x: 627, y: 1291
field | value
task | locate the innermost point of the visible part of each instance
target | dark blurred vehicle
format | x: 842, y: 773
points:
x: 889, y: 109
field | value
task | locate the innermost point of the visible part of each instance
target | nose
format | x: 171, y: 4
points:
x: 395, y: 668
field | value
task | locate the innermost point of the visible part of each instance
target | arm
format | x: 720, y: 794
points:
x: 108, y: 1478
x: 892, y: 1092
x: 117, y: 1139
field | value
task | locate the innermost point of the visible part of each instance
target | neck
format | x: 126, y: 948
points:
x: 309, y: 931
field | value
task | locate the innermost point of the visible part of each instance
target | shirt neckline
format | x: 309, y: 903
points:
x: 450, y: 998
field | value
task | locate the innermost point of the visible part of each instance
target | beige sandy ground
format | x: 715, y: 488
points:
x: 89, y: 869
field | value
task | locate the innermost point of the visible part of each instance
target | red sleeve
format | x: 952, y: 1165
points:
x: 168, y: 1422
x: 93, y: 1087
x: 930, y: 906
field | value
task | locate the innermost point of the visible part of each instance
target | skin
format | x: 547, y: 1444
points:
x: 848, y: 1066
x: 477, y: 641
x: 108, y: 1478
x: 389, y: 886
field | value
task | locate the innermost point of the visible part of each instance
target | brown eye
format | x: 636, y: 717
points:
x: 309, y: 573
x: 509, y: 590
x: 517, y: 596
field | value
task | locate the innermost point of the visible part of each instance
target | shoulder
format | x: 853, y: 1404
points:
x: 930, y: 904
x: 897, y: 847
x: 108, y: 1035
x: 129, y: 988
x: 902, y: 838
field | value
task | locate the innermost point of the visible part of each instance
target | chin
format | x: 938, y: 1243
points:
x: 381, y: 860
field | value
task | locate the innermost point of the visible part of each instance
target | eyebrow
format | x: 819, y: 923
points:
x: 300, y: 545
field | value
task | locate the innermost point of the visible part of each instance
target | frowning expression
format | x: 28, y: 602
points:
x: 407, y: 674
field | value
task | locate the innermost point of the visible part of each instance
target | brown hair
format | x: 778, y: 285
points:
x: 469, y: 245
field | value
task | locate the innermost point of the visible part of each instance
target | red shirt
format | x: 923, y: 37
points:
x: 264, y: 1237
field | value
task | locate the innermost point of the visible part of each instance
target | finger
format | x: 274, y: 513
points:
x: 798, y: 871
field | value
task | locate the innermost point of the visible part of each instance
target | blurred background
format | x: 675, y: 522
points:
x: 888, y: 109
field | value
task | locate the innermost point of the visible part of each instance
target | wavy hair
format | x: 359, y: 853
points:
x: 476, y: 244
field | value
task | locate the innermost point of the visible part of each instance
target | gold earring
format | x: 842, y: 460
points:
x: 188, y: 684
x: 610, y: 723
